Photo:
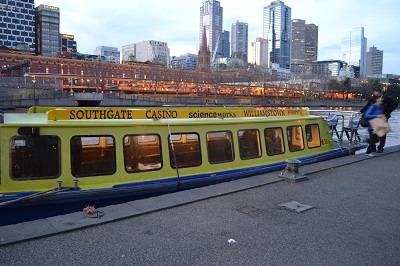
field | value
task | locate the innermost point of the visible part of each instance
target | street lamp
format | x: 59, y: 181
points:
x: 70, y: 86
x: 34, y: 91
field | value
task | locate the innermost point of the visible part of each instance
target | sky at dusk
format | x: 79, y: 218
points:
x: 120, y: 22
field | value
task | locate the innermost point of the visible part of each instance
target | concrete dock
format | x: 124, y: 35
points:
x: 354, y: 220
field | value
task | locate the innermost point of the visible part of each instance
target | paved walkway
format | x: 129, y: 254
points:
x: 355, y: 221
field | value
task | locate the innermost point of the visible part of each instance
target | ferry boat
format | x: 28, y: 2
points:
x: 81, y: 155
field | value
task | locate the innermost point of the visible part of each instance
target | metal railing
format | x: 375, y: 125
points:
x: 343, y: 123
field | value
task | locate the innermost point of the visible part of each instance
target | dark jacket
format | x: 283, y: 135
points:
x: 370, y: 102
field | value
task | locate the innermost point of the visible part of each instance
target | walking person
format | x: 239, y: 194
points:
x: 388, y: 105
x: 374, y: 111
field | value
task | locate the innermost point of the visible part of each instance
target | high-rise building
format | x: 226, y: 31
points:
x: 259, y: 52
x: 152, y: 51
x: 226, y: 44
x: 211, y: 18
x: 129, y: 52
x: 311, y: 43
x: 239, y: 40
x: 17, y: 24
x: 68, y: 43
x: 110, y: 54
x: 354, y: 50
x: 203, y: 64
x: 186, y: 61
x: 374, y: 62
x: 47, y: 30
x: 277, y: 29
x: 298, y: 53
x: 304, y: 48
x: 328, y: 68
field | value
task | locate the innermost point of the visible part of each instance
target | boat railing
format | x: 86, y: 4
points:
x: 343, y: 124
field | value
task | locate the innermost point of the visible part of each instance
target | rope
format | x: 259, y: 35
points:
x: 174, y: 156
x: 92, y: 212
x: 34, y: 196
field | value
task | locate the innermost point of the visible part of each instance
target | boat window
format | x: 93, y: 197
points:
x: 220, y: 147
x: 249, y: 144
x: 35, y: 157
x: 313, y: 137
x: 274, y: 141
x: 92, y: 156
x: 142, y: 153
x: 184, y: 150
x: 295, y: 138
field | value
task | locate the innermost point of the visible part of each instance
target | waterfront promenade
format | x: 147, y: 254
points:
x: 66, y: 99
x: 355, y: 221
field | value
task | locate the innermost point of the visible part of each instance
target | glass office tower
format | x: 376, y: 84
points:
x: 277, y: 30
x: 239, y: 41
x: 226, y: 44
x: 354, y: 50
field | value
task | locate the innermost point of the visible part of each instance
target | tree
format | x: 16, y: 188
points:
x: 333, y: 86
x: 393, y: 91
x: 367, y: 88
x: 346, y: 87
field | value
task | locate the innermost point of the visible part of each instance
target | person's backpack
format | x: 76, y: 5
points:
x: 364, y: 121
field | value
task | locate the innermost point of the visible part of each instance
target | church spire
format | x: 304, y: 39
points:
x: 204, y: 38
x: 203, y: 64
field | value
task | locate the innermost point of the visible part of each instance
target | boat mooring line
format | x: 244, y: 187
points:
x: 174, y: 155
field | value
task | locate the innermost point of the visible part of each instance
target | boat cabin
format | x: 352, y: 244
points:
x: 96, y: 149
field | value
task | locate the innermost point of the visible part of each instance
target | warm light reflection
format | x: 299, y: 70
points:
x: 191, y: 89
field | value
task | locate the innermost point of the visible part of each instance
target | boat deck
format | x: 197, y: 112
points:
x: 354, y: 222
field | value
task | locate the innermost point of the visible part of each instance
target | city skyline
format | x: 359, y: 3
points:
x: 155, y: 19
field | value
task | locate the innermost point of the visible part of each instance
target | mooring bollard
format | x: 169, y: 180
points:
x: 291, y: 173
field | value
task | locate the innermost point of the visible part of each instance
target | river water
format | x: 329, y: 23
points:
x: 394, y: 134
